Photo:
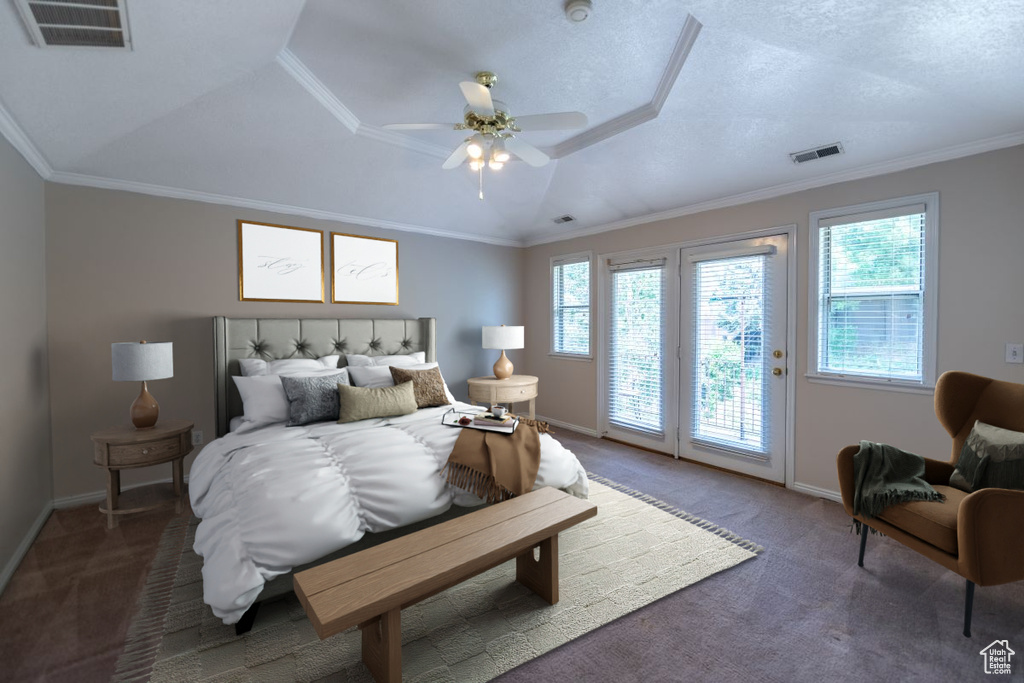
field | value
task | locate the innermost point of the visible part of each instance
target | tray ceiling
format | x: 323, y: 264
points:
x: 279, y: 105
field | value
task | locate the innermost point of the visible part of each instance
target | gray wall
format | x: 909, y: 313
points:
x: 25, y: 473
x: 981, y: 285
x: 124, y: 266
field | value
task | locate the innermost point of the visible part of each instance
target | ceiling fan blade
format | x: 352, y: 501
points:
x: 419, y: 126
x: 457, y: 157
x: 479, y: 97
x: 566, y: 120
x: 526, y: 152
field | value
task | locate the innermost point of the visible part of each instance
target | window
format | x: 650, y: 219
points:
x: 570, y: 296
x: 873, y: 286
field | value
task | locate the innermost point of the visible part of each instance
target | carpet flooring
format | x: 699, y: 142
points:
x: 635, y: 551
x: 803, y: 611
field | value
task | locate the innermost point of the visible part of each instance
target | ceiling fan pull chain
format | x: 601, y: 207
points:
x: 481, y: 172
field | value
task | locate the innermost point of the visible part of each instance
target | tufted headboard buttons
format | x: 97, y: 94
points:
x: 275, y: 338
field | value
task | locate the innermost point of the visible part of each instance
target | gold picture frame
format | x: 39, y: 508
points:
x: 280, y: 263
x: 364, y: 270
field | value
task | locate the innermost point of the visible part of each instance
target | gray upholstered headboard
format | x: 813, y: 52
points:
x: 274, y: 338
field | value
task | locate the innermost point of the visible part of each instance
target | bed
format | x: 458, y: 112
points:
x: 272, y: 498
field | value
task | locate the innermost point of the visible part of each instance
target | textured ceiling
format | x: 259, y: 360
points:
x: 279, y: 104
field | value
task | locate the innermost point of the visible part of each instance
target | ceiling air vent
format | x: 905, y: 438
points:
x: 76, y: 23
x: 564, y: 219
x: 817, y: 153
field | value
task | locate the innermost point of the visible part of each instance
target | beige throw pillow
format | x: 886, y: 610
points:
x: 362, y: 403
x: 427, y: 385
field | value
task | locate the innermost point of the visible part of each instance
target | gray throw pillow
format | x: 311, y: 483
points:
x: 362, y: 403
x: 992, y: 457
x: 312, y: 399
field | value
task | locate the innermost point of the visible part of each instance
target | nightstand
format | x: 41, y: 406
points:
x: 515, y: 389
x: 120, y: 448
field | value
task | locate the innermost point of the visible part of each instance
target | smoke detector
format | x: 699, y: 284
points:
x: 577, y: 11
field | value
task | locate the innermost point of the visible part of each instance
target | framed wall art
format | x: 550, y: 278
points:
x: 279, y: 263
x: 365, y: 270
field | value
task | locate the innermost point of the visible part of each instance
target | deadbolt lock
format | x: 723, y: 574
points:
x: 777, y: 353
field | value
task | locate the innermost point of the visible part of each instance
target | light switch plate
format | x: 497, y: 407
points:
x: 197, y: 437
x: 1015, y: 353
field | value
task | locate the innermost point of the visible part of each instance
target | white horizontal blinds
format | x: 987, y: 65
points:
x: 636, y: 386
x: 871, y: 281
x: 729, y: 378
x: 571, y: 316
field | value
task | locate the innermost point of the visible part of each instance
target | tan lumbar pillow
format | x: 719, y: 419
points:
x: 362, y: 403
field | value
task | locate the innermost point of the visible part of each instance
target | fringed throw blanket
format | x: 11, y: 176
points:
x: 884, y: 476
x: 496, y: 466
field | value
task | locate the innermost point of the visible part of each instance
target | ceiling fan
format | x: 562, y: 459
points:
x: 494, y: 128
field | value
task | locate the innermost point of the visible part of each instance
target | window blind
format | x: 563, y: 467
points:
x: 871, y: 288
x: 729, y: 378
x: 637, y: 346
x: 570, y: 323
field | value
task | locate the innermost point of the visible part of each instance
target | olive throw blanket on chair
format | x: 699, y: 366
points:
x: 496, y: 466
x: 884, y: 475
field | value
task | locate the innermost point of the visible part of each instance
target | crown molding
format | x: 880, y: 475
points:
x: 10, y: 129
x: 882, y: 168
x: 294, y: 67
x: 643, y: 114
x: 259, y: 205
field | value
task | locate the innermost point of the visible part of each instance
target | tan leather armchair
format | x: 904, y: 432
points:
x: 979, y: 535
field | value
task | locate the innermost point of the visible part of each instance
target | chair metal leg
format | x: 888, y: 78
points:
x: 968, y: 607
x: 863, y: 542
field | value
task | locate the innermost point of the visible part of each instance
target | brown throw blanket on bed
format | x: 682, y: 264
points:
x: 496, y: 466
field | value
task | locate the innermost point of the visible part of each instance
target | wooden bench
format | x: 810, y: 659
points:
x: 370, y: 588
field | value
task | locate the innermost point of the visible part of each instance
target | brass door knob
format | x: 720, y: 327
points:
x: 776, y: 371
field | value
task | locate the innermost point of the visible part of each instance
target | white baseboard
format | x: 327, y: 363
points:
x: 96, y: 496
x: 827, y: 494
x: 26, y: 543
x: 565, y: 425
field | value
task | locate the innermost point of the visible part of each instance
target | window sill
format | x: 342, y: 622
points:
x: 570, y: 356
x: 881, y: 385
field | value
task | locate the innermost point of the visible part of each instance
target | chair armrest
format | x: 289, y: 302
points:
x: 990, y: 534
x: 937, y: 472
x: 844, y: 466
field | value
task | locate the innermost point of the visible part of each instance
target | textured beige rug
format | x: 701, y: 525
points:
x: 635, y: 551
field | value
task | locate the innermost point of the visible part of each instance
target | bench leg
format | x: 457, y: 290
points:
x: 540, y: 576
x: 382, y: 647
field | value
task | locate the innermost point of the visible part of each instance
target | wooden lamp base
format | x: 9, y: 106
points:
x: 145, y: 410
x: 503, y: 367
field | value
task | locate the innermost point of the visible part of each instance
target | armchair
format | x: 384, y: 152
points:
x: 979, y: 535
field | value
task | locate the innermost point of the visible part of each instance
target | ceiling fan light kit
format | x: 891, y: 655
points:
x: 493, y: 140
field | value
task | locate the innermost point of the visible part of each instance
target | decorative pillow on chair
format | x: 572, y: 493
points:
x: 313, y: 398
x: 427, y: 385
x: 362, y: 403
x: 992, y: 457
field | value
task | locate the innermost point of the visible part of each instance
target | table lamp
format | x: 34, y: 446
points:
x: 140, y: 362
x: 503, y: 337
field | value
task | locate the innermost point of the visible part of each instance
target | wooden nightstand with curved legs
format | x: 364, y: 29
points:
x: 515, y: 389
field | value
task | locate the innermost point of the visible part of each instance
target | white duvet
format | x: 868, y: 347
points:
x: 277, y: 497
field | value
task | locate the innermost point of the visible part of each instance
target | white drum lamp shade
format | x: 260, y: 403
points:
x: 504, y: 337
x: 140, y: 362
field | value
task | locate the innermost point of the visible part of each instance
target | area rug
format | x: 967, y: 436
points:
x: 634, y: 552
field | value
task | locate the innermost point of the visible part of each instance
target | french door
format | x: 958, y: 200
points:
x: 733, y: 355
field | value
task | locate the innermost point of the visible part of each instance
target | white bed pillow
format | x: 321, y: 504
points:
x: 374, y: 377
x: 263, y: 397
x: 256, y: 367
x: 356, y: 360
